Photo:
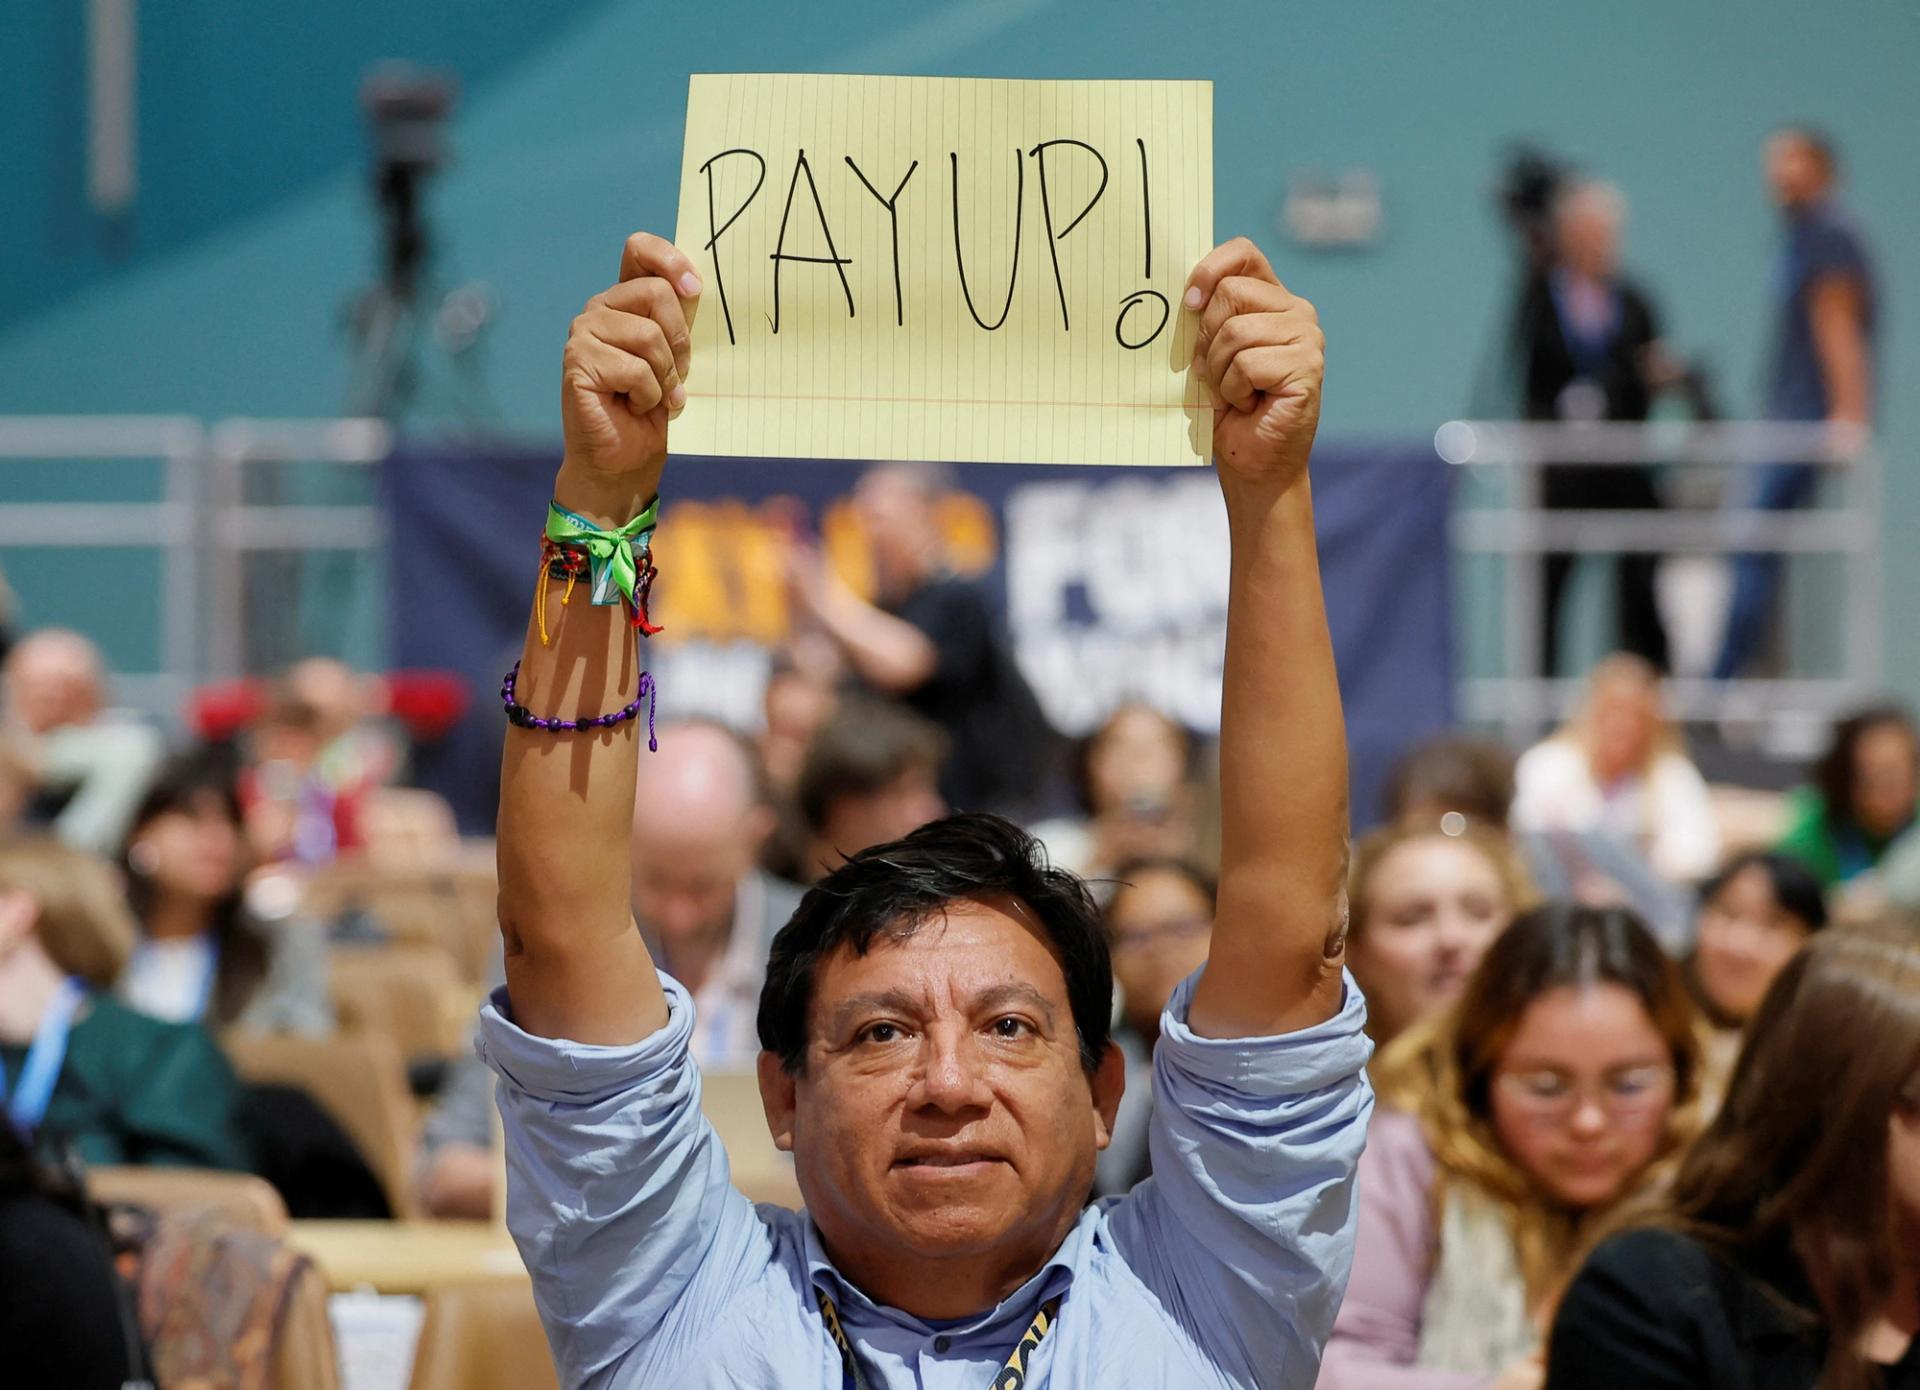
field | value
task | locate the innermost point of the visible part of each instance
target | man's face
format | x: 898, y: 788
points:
x: 1795, y: 173
x: 684, y: 877
x: 898, y: 518
x: 858, y: 820
x: 50, y: 685
x: 1590, y: 237
x: 943, y: 1112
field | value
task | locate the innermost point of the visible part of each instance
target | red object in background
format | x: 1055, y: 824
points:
x: 429, y: 703
x: 426, y: 703
x: 223, y: 710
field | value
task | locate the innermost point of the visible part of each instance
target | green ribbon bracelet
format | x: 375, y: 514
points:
x: 612, y: 566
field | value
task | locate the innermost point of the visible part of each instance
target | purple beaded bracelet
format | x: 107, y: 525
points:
x: 525, y: 718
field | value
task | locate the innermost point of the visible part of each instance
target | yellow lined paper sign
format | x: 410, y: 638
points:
x: 955, y: 269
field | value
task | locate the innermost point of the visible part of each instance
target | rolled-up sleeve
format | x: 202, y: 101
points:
x: 1245, y: 1231
x: 618, y: 1192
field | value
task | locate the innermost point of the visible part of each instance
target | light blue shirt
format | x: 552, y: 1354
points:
x: 1224, y: 1269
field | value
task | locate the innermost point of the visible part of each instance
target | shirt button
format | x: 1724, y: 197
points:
x: 940, y: 1344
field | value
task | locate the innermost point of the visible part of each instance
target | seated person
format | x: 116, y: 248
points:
x: 1619, y: 768
x: 708, y: 913
x: 1425, y: 902
x: 91, y: 765
x: 84, y: 1074
x: 1159, y: 921
x: 1454, y: 774
x: 68, y: 1318
x: 871, y: 775
x: 935, y: 1019
x: 1754, y: 915
x: 1861, y: 799
x: 1136, y: 793
x: 801, y: 694
x: 700, y: 818
x: 203, y: 956
x: 1786, y: 1250
x: 1527, y: 1114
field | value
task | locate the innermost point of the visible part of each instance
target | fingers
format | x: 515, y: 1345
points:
x: 1245, y: 321
x: 646, y: 254
x: 610, y: 371
x: 1251, y: 330
x: 654, y: 299
x: 1236, y: 257
x: 641, y: 337
x: 1280, y: 369
x: 647, y: 260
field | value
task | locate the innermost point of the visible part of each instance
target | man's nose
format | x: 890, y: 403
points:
x: 952, y: 1076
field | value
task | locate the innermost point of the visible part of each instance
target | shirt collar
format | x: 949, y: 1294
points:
x: 1054, y: 1278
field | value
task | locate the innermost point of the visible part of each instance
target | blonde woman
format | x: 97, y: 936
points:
x: 1425, y: 900
x: 1509, y: 1127
x: 1620, y: 769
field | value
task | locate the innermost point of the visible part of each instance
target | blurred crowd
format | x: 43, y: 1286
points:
x: 1562, y: 950
x: 1603, y: 990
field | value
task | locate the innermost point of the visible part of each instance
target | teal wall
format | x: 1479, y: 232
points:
x: 221, y: 293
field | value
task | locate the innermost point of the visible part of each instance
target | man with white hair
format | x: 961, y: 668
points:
x: 708, y: 913
x: 1588, y: 344
x: 700, y: 820
x: 93, y: 767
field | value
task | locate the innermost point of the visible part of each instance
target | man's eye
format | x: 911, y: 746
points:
x: 1010, y: 1027
x: 880, y: 1033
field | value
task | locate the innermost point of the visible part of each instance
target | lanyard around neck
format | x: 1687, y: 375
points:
x: 1010, y: 1376
x: 40, y: 1073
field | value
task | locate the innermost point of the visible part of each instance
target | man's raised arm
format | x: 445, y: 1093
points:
x: 576, y: 967
x: 1279, y: 934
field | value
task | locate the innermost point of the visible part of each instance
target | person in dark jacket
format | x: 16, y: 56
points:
x: 1787, y: 1251
x: 929, y: 639
x: 1588, y: 343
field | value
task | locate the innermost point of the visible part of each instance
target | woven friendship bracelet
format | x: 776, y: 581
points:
x: 619, y: 566
x: 618, y: 563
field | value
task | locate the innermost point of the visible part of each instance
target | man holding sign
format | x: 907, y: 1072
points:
x: 934, y: 1021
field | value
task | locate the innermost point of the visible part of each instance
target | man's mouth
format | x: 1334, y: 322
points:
x: 947, y: 1161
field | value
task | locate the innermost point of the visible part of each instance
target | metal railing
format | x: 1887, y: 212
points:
x: 205, y: 527
x: 1523, y: 531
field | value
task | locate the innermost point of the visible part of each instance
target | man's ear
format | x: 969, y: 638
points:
x: 19, y: 914
x: 777, y: 1099
x: 1109, y: 1084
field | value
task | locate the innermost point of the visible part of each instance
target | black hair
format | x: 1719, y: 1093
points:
x: 1793, y: 886
x: 893, y: 889
x: 865, y: 747
x: 1196, y: 877
x: 1834, y: 775
x: 1080, y: 765
x: 243, y: 954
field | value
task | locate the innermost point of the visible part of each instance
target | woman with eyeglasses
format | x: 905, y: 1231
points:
x: 1510, y: 1125
x: 1159, y: 922
x: 1786, y: 1251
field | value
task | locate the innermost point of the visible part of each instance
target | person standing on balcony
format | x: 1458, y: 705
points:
x: 1588, y: 342
x: 1822, y: 358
